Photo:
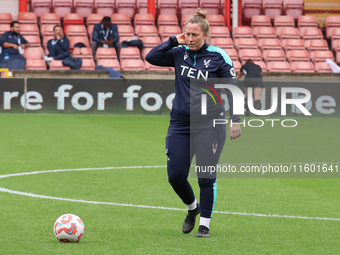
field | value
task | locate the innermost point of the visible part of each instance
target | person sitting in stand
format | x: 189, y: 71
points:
x: 12, y: 44
x: 58, y: 47
x: 105, y: 34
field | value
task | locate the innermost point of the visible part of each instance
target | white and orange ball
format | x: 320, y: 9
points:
x: 69, y: 228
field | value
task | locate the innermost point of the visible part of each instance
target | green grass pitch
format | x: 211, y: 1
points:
x: 48, y: 142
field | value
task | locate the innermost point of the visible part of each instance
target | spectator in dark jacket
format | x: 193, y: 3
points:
x: 58, y: 47
x: 12, y: 44
x: 105, y: 34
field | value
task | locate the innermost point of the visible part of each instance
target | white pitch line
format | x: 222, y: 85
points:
x: 143, y: 206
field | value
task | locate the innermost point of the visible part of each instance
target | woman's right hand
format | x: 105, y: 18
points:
x: 181, y: 39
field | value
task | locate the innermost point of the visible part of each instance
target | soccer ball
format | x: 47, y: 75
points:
x: 69, y: 228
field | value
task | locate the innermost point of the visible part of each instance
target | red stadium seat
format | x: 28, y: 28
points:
x: 254, y: 54
x: 58, y: 65
x: 262, y: 65
x: 4, y: 28
x: 332, y: 21
x: 335, y: 33
x: 251, y: 8
x: 83, y: 52
x: 293, y: 44
x: 27, y: 18
x: 319, y: 44
x: 245, y: 43
x: 127, y: 7
x: 146, y: 30
x: 88, y: 64
x: 132, y: 64
x: 184, y: 19
x: 215, y: 20
x: 274, y: 55
x: 113, y: 63
x: 243, y: 32
x: 35, y: 64
x: 260, y: 21
x: 232, y: 53
x: 164, y: 39
x: 145, y: 52
x: 73, y: 19
x: 311, y: 33
x: 125, y: 30
x: 151, y: 41
x: 49, y: 18
x: 144, y: 19
x: 321, y: 56
x: 6, y: 18
x: 94, y: 19
x: 29, y: 29
x: 272, y: 8
x: 264, y: 32
x: 278, y: 66
x: 104, y: 7
x: 167, y: 6
x: 336, y: 45
x: 212, y: 7
x: 322, y: 67
x: 167, y: 19
x: 224, y: 43
x: 126, y: 38
x: 270, y: 44
x: 284, y: 21
x: 40, y: 7
x: 76, y: 30
x: 62, y: 7
x: 79, y: 39
x: 293, y: 8
x: 142, y: 6
x: 187, y: 6
x: 33, y: 53
x: 121, y: 19
x: 129, y: 52
x: 307, y: 21
x: 331, y: 31
x: 84, y: 7
x: 150, y: 67
x: 33, y: 40
x: 219, y: 31
x: 298, y: 55
x: 288, y: 33
x: 106, y: 53
x: 237, y: 65
x: 168, y: 31
x: 46, y: 39
x: 302, y: 67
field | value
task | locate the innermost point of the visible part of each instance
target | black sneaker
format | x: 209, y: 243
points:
x: 203, y: 231
x: 189, y: 222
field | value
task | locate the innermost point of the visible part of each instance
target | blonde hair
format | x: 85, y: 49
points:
x: 199, y: 18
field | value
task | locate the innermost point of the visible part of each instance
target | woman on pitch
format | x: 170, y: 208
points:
x: 193, y: 59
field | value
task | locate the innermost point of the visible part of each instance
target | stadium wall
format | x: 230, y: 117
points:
x: 142, y: 97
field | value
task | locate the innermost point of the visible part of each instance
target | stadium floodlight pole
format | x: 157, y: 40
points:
x: 151, y: 8
x: 240, y: 13
x: 235, y: 14
x: 227, y: 13
x: 22, y: 5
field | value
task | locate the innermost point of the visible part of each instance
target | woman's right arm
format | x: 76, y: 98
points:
x: 163, y: 55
